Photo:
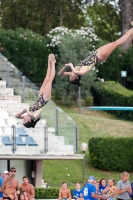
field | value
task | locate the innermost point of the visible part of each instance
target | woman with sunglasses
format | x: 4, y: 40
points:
x: 100, y: 55
x: 31, y: 117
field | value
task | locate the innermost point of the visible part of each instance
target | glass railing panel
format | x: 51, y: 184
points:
x: 55, y: 117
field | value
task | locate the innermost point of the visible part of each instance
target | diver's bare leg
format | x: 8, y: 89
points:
x: 47, y: 85
x: 106, y: 50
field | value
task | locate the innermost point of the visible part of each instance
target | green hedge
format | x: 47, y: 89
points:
x: 110, y: 93
x: 27, y: 51
x: 112, y: 154
x: 47, y: 193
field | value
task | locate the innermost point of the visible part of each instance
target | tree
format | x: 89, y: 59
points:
x: 110, y: 17
x: 27, y: 51
x: 42, y: 15
x: 126, y: 7
x: 105, y: 18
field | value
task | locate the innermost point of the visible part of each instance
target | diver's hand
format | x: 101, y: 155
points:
x: 68, y: 65
x: 24, y: 110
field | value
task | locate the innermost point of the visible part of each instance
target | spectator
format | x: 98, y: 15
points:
x: 25, y: 195
x: 21, y: 197
x: 102, y: 185
x: 5, y: 175
x: 89, y: 190
x: 77, y: 192
x: 131, y: 195
x: 28, y: 188
x: 110, y: 190
x: 1, y: 180
x: 64, y: 192
x: 10, y: 185
x: 124, y: 187
x: 91, y: 179
x: 97, y: 187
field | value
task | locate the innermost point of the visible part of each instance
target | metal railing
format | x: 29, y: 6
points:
x: 10, y: 145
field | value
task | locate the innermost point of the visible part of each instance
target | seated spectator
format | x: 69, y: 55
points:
x: 131, y: 195
x: 25, y: 195
x: 124, y: 187
x: 1, y: 180
x: 2, y: 177
x: 77, y: 192
x: 110, y: 190
x: 5, y: 174
x: 64, y: 192
x: 21, y: 197
x: 88, y: 192
x: 96, y: 183
x: 28, y: 188
x: 102, y: 185
x: 91, y: 179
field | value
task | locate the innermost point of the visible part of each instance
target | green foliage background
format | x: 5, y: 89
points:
x: 111, y: 93
x: 27, y: 51
x: 46, y: 193
x: 112, y: 154
x: 105, y: 18
x: 41, y: 16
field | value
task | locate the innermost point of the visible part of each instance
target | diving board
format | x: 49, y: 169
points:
x: 107, y: 108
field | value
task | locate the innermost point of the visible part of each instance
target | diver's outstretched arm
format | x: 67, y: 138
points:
x: 80, y: 72
x: 62, y: 72
x: 19, y: 115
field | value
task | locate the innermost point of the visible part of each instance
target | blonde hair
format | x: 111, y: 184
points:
x: 124, y: 174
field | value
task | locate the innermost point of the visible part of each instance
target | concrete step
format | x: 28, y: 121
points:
x: 2, y: 84
x: 55, y: 149
x: 3, y: 115
x: 40, y: 127
x: 6, y: 92
x: 51, y: 140
x: 5, y: 149
x: 13, y: 112
x: 39, y: 133
x: 16, y: 98
x: 9, y: 102
x: 12, y: 77
x: 61, y: 149
x: 15, y: 108
x: 3, y: 68
x: 28, y: 150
